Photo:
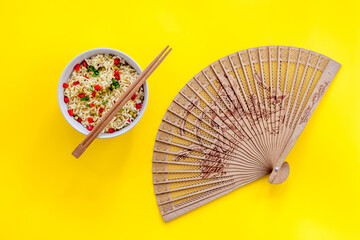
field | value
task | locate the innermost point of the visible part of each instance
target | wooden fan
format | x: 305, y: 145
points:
x: 235, y: 122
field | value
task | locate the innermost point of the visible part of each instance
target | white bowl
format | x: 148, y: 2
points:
x: 66, y: 74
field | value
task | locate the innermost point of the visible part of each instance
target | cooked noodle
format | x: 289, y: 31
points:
x: 89, y: 107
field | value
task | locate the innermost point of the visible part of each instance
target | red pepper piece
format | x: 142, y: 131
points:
x: 111, y: 130
x: 76, y: 83
x: 91, y: 104
x: 116, y: 61
x: 117, y: 77
x: 66, y: 99
x: 79, y: 120
x: 81, y: 95
x: 84, y: 63
x: 128, y: 120
x: 116, y: 72
x: 65, y: 85
x: 90, y: 120
x: 97, y: 87
x: 86, y: 76
x: 93, y: 93
x: 133, y: 97
x: 71, y: 113
x: 138, y: 106
x: 89, y: 128
x: 77, y: 67
x: 101, y: 110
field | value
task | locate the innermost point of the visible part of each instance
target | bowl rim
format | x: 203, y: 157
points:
x: 68, y: 70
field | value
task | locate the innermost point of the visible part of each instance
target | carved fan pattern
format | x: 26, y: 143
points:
x: 235, y: 122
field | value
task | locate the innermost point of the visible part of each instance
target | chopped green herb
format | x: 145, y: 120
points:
x: 96, y: 72
x: 121, y: 110
x: 115, y: 84
x: 91, y: 88
x: 86, y: 98
x: 88, y: 105
x: 104, y: 102
x: 91, y: 68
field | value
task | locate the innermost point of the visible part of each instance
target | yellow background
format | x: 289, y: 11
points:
x: 45, y: 193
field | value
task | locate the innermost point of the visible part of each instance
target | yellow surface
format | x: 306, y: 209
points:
x: 45, y: 193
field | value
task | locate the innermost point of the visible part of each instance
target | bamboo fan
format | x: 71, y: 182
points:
x: 235, y: 122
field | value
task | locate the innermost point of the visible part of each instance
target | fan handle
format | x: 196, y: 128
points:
x: 279, y: 174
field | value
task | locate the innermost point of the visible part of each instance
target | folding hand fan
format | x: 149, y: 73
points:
x: 235, y: 122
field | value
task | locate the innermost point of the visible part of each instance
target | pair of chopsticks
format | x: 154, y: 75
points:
x: 124, y: 98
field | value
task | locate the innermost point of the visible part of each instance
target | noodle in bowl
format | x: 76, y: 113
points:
x: 90, y: 85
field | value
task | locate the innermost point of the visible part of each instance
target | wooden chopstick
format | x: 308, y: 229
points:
x: 102, y: 120
x: 124, y: 98
x: 119, y: 104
